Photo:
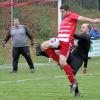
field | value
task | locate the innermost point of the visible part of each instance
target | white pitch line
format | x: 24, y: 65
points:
x: 25, y: 64
x: 39, y: 78
x: 44, y: 78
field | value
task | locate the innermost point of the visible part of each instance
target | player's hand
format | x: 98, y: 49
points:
x: 85, y: 70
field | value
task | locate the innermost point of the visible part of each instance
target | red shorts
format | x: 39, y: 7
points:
x: 64, y: 48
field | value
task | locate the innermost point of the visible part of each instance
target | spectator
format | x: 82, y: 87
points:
x: 94, y: 33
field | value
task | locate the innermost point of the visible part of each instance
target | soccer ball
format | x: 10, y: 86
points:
x: 54, y: 42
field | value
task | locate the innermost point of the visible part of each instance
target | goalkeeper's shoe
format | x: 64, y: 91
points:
x: 13, y: 71
x: 38, y: 50
x: 32, y: 70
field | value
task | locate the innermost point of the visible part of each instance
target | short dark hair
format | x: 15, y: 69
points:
x: 64, y: 6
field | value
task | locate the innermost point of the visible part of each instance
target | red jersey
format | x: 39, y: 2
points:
x: 67, y: 28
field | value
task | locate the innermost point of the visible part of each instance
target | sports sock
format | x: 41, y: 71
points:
x: 51, y: 53
x: 69, y: 73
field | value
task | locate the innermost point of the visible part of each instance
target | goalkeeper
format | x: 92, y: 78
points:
x: 20, y: 37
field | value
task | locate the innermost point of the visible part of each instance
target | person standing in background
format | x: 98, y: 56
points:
x: 20, y: 36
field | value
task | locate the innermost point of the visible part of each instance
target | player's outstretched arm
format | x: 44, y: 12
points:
x: 82, y: 18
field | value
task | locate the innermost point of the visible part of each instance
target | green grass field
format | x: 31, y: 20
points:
x: 48, y: 83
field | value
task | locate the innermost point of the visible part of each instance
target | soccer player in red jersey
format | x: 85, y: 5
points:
x: 66, y: 40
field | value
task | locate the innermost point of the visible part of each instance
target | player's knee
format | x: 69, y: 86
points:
x: 44, y: 45
x: 62, y: 63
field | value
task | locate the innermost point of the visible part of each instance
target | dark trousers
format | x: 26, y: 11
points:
x: 16, y: 54
x: 75, y: 61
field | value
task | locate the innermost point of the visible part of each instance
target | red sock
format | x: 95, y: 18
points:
x: 50, y: 52
x: 69, y: 73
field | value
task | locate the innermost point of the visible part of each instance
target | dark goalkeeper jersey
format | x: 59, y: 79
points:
x: 83, y: 47
x: 83, y: 43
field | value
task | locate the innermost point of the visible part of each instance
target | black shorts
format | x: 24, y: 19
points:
x: 75, y: 60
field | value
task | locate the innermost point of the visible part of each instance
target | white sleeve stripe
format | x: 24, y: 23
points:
x: 63, y: 35
x: 64, y: 31
x: 64, y: 39
x: 65, y: 27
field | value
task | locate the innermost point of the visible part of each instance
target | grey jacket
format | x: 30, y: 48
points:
x: 20, y: 36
